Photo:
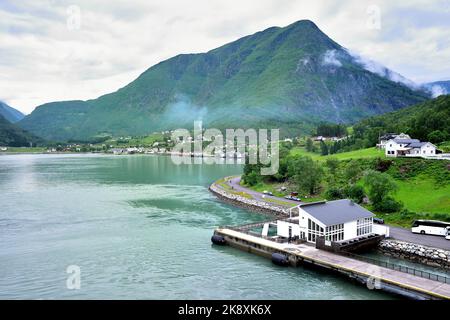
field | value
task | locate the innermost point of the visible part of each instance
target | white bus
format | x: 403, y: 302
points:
x: 437, y: 228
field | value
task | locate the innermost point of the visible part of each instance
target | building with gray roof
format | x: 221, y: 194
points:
x: 336, y: 221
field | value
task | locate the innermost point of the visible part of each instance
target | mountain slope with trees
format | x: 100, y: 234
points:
x: 9, y: 113
x: 12, y: 135
x: 288, y: 78
x: 428, y: 121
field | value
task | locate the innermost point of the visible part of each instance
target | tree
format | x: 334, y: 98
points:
x: 323, y: 148
x: 437, y: 136
x: 309, y: 145
x: 381, y: 186
x: 334, y: 193
x: 307, y: 174
x: 251, y: 179
x: 356, y: 193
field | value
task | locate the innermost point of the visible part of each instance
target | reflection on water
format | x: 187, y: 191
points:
x: 139, y: 227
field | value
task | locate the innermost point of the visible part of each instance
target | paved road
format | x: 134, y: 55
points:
x: 235, y: 183
x: 395, y: 232
x: 426, y: 240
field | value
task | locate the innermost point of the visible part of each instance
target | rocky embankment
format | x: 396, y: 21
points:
x: 251, y: 204
x: 416, y: 252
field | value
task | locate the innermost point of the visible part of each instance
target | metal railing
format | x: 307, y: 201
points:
x: 399, y: 267
x: 248, y: 226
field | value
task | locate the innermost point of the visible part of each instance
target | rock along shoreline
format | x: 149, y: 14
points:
x: 250, y: 204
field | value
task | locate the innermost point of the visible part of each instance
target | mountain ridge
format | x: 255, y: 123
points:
x: 9, y: 113
x: 283, y: 77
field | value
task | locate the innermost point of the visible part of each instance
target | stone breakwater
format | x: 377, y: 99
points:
x: 250, y: 204
x: 416, y: 252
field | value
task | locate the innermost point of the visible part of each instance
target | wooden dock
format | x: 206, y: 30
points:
x: 389, y: 280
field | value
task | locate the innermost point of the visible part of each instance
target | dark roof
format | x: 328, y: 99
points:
x: 406, y: 141
x: 336, y: 212
x: 388, y: 136
x: 417, y: 144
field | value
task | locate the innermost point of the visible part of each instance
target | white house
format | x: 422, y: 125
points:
x: 339, y: 220
x: 389, y: 136
x: 409, y: 148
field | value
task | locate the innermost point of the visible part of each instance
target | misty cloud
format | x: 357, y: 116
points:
x: 382, y: 71
x: 437, y: 90
x: 330, y: 59
x: 183, y: 111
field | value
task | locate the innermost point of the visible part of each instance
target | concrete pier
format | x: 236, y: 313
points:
x: 401, y: 283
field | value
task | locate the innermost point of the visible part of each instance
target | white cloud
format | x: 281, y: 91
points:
x: 437, y: 91
x: 382, y: 71
x: 41, y: 60
x: 329, y: 59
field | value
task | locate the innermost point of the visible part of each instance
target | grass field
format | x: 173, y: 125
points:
x: 422, y: 195
x: 357, y: 154
x: 24, y: 150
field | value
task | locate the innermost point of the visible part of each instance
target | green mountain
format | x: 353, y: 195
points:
x: 9, y: 113
x: 289, y: 77
x: 428, y: 121
x: 12, y: 135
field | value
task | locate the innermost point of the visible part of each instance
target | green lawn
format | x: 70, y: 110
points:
x: 422, y: 198
x: 24, y: 150
x: 300, y: 151
x: 357, y: 154
x: 422, y: 195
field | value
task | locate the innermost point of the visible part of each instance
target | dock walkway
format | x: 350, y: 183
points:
x: 402, y: 282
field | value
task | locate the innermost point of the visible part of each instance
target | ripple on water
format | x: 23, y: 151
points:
x: 138, y: 227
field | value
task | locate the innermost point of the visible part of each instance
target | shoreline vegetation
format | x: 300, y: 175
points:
x: 399, y: 190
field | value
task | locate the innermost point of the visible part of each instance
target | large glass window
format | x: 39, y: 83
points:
x: 364, y: 226
x: 334, y: 233
x: 314, y: 230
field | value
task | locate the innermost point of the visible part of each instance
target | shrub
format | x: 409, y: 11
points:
x: 334, y: 193
x: 388, y: 205
x: 356, y: 193
x: 382, y: 165
x: 251, y: 179
x: 332, y: 164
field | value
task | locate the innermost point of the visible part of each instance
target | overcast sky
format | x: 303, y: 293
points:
x: 52, y: 50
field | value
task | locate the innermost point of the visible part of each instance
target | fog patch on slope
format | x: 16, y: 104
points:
x: 382, y: 71
x: 182, y: 112
x: 330, y: 59
x: 437, y: 90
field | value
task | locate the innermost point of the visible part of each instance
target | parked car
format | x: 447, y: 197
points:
x: 292, y: 198
x: 378, y: 220
x: 268, y: 193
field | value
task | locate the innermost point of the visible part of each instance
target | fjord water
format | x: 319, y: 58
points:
x: 138, y: 227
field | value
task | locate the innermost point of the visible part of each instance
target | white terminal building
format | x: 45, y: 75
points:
x: 337, y: 221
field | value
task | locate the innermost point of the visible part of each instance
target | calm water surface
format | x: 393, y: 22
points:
x: 139, y: 227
